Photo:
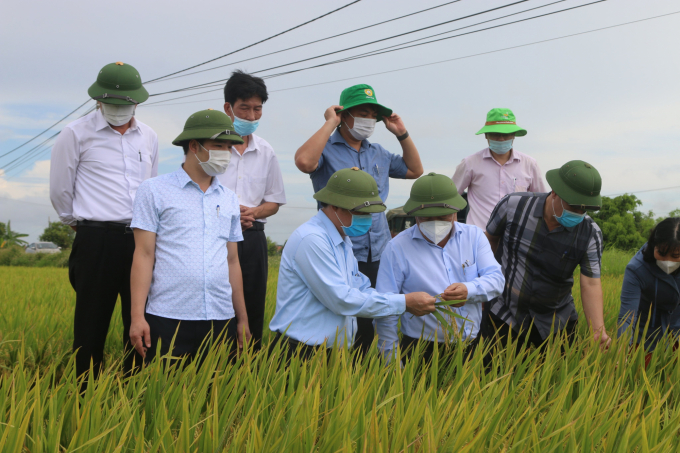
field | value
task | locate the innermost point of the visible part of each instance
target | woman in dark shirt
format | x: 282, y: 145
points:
x: 651, y: 286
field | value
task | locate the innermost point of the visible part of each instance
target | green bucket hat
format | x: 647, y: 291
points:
x: 434, y: 195
x: 501, y: 121
x: 362, y: 94
x: 118, y: 83
x: 208, y: 125
x: 351, y: 189
x: 578, y: 183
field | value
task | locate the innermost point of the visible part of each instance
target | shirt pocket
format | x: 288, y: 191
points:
x: 145, y: 166
x: 470, y: 272
x: 224, y: 226
x: 256, y: 188
x: 521, y: 184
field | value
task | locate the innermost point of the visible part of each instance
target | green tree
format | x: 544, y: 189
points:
x: 622, y: 225
x: 10, y: 237
x: 2, y: 229
x: 272, y: 247
x: 60, y: 234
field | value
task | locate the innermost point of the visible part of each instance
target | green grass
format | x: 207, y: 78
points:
x: 582, y: 401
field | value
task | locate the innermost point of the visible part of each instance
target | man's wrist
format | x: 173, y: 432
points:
x: 403, y: 136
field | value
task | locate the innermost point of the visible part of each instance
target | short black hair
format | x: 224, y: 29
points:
x: 323, y: 205
x: 665, y: 236
x: 244, y: 86
x: 185, y: 145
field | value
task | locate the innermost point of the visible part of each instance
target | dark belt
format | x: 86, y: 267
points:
x: 257, y: 226
x: 115, y: 226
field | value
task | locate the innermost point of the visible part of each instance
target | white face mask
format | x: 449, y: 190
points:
x: 435, y: 230
x: 118, y: 114
x: 217, y: 163
x: 363, y: 127
x: 668, y: 266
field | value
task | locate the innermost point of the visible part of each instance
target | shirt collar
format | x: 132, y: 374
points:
x: 183, y: 179
x: 338, y: 138
x: 330, y: 228
x: 101, y: 123
x: 252, y: 145
x: 486, y: 154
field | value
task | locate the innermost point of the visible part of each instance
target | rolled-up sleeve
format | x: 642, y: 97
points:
x: 631, y: 291
x: 318, y: 268
x: 144, y: 213
x: 390, y: 279
x: 63, y: 168
x: 490, y: 281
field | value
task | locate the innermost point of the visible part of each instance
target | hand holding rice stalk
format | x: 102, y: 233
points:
x: 452, y: 296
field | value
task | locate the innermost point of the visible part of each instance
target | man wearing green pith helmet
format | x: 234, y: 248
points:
x: 342, y: 142
x: 98, y: 162
x: 540, y: 240
x: 320, y: 289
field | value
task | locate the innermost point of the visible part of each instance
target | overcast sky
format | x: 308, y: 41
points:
x: 610, y: 97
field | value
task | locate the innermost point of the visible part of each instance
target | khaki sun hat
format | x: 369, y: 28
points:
x: 208, y: 125
x: 118, y: 83
x: 434, y: 195
x: 352, y: 189
x: 577, y: 183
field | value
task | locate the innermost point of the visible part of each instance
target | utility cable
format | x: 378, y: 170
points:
x: 447, y: 60
x: 313, y: 42
x: 254, y: 44
x: 29, y: 141
x: 201, y: 85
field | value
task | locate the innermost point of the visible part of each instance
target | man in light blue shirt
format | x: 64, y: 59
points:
x: 349, y: 126
x: 320, y: 289
x: 438, y: 256
x: 186, y: 226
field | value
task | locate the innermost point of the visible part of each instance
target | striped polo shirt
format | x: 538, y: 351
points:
x: 539, y: 264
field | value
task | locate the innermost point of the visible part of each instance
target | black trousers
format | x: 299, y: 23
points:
x: 252, y: 254
x: 290, y: 347
x: 189, y: 335
x: 499, y: 331
x: 365, y: 331
x: 99, y: 271
x: 408, y: 345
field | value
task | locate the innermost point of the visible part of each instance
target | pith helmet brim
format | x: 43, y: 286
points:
x: 355, y: 204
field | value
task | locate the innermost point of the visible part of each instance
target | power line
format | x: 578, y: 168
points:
x: 315, y: 41
x: 203, y: 85
x: 642, y: 191
x: 186, y: 69
x: 441, y: 61
x: 254, y: 44
x: 29, y: 141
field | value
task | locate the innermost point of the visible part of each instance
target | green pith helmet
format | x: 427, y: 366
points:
x: 501, y: 121
x: 351, y: 189
x: 118, y: 83
x: 577, y: 183
x: 208, y: 125
x: 434, y: 195
x: 362, y: 94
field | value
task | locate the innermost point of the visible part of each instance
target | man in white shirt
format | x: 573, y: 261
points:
x: 255, y: 176
x: 498, y: 170
x: 98, y: 162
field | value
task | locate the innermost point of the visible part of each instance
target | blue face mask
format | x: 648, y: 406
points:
x: 568, y: 219
x: 498, y: 147
x: 361, y: 224
x: 244, y: 127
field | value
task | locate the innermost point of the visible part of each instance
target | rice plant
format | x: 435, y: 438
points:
x: 565, y: 398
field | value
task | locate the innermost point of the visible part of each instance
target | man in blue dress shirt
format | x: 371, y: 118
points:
x: 186, y: 227
x: 351, y: 124
x: 320, y: 289
x: 438, y: 256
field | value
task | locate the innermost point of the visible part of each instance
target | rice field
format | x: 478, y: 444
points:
x: 582, y: 400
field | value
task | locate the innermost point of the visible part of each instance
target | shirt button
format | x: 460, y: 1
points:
x: 502, y: 182
x: 239, y: 177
